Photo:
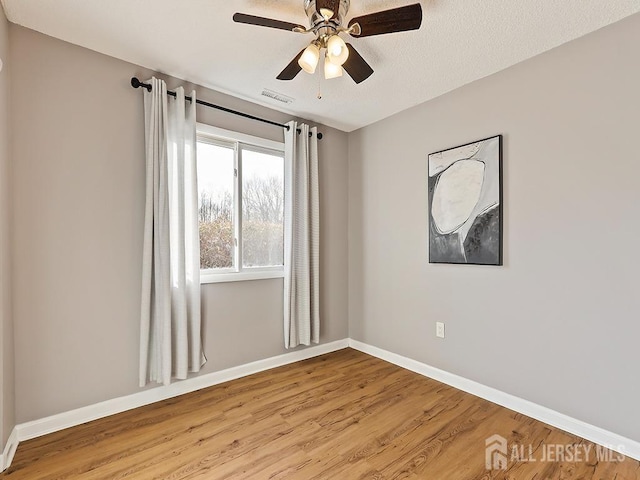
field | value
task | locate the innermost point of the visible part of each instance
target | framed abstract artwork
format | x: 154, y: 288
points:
x: 465, y: 204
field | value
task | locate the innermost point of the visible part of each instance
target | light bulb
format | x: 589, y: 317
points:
x: 331, y: 70
x: 337, y: 50
x: 309, y: 59
x: 326, y: 13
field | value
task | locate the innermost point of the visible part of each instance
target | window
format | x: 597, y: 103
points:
x: 241, y: 206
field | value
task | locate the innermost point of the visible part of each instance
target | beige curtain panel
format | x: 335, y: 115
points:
x: 170, y: 320
x: 301, y: 238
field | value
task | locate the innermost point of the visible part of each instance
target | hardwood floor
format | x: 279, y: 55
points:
x: 342, y: 416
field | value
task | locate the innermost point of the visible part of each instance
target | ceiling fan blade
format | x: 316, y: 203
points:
x: 265, y: 22
x: 291, y: 70
x: 356, y: 66
x: 388, y: 21
x: 333, y: 5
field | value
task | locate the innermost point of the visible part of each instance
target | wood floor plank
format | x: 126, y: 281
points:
x: 344, y: 416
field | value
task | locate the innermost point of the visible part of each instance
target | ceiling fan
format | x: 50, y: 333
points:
x: 327, y: 22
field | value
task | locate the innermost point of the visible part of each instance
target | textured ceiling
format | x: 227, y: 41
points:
x: 460, y: 41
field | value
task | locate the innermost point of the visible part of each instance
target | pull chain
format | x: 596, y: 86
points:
x: 319, y: 84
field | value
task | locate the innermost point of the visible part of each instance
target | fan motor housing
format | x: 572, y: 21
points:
x: 316, y: 20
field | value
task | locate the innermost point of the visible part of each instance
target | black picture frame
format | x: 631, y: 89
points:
x: 465, y: 203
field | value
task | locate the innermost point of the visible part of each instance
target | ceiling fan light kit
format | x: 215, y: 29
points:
x: 336, y: 53
x: 326, y: 20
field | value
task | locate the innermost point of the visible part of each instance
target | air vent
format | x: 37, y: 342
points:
x: 278, y: 97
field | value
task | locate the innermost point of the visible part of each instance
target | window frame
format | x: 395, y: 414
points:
x: 228, y: 138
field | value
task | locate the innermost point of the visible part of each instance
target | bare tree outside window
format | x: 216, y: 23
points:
x: 215, y: 188
x: 261, y: 196
x: 216, y: 231
x: 262, y: 209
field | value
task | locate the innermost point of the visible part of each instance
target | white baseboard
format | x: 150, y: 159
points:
x: 597, y: 435
x: 9, y: 450
x: 54, y: 423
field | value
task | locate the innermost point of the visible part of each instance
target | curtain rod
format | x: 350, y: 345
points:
x: 135, y: 83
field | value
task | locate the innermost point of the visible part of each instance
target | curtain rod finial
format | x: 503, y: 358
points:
x: 135, y: 83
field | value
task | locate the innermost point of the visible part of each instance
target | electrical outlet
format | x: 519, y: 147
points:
x: 439, y: 329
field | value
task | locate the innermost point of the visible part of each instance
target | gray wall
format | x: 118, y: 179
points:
x: 7, y: 417
x: 78, y: 196
x: 558, y: 324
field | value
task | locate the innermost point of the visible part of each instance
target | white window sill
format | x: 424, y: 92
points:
x: 239, y: 276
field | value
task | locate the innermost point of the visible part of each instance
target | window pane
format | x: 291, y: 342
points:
x: 262, y: 209
x: 215, y: 192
